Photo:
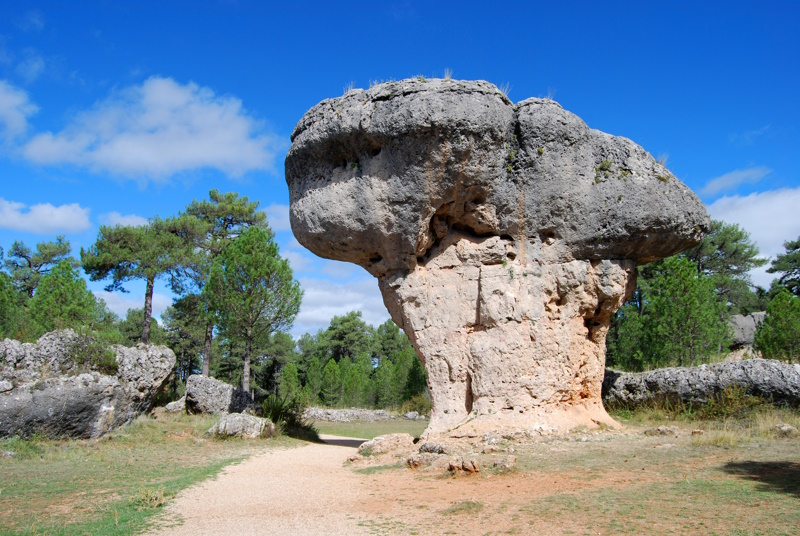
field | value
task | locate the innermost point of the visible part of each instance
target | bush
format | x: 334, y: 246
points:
x: 288, y: 418
x: 90, y: 352
x: 419, y: 403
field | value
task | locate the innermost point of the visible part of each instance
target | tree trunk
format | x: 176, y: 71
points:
x: 246, y: 372
x: 148, y: 309
x: 207, y: 348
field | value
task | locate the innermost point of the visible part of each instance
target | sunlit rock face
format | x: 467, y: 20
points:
x: 504, y: 237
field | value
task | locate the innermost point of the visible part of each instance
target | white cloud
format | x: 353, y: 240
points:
x: 32, y: 21
x: 731, y: 180
x: 157, y: 129
x: 15, y: 108
x: 278, y: 217
x: 43, y: 218
x: 324, y: 299
x: 119, y: 303
x: 115, y: 218
x: 748, y: 137
x: 770, y: 217
x: 31, y: 67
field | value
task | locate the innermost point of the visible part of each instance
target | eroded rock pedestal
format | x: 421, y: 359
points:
x: 503, y: 236
x: 509, y: 338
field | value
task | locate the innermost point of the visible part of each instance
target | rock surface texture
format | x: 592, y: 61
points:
x: 52, y: 395
x: 242, y: 425
x: 503, y: 237
x: 209, y: 395
x: 743, y: 329
x: 763, y: 377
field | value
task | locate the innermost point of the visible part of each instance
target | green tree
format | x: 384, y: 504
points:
x: 778, y: 337
x: 385, y: 385
x: 224, y: 216
x: 348, y: 336
x: 62, y: 301
x: 417, y: 381
x: 331, y: 383
x: 125, y: 253
x: 130, y: 328
x: 727, y: 255
x: 788, y: 265
x: 252, y: 291
x: 27, y: 267
x: 11, y: 311
x: 274, y: 353
x: 289, y: 388
x: 389, y: 341
x: 356, y: 384
x: 675, y: 317
x: 688, y: 323
x: 184, y: 332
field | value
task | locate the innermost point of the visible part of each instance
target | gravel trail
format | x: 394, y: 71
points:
x: 304, y: 491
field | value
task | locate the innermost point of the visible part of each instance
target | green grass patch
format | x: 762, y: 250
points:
x: 380, y: 468
x: 115, y: 484
x: 369, y: 430
x: 463, y: 507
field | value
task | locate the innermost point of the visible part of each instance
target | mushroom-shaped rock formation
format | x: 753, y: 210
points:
x: 504, y: 237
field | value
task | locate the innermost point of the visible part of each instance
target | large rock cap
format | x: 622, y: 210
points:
x: 379, y: 176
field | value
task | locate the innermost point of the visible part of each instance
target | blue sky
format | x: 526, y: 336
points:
x: 114, y: 112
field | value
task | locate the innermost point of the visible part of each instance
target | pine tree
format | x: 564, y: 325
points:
x: 62, y: 301
x: 788, y: 265
x: 252, y: 291
x: 778, y: 337
x: 331, y: 391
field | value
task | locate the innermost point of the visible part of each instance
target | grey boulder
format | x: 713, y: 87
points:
x: 767, y: 378
x: 743, y: 328
x: 209, y: 395
x: 242, y: 425
x: 54, y: 396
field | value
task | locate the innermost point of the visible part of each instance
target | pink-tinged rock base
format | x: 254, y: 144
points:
x: 512, y: 337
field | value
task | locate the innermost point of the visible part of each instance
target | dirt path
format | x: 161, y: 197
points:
x: 303, y: 490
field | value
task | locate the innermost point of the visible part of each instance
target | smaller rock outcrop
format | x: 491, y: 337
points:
x: 345, y: 415
x: 208, y: 395
x: 743, y: 329
x: 177, y: 406
x: 242, y: 425
x: 773, y: 380
x: 53, y: 388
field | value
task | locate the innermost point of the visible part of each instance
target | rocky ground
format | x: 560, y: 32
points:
x: 641, y: 479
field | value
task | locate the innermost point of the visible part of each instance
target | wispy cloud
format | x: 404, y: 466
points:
x: 158, y: 129
x: 732, y: 180
x: 324, y: 299
x: 278, y: 217
x: 32, y: 21
x: 43, y: 218
x: 15, y: 108
x: 770, y: 217
x: 749, y: 137
x: 115, y: 218
x: 31, y: 67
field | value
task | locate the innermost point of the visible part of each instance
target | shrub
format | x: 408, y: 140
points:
x: 288, y: 418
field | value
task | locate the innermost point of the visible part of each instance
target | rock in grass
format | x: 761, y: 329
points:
x: 177, y: 406
x: 209, y: 395
x: 243, y: 426
x: 504, y: 237
x: 769, y: 379
x: 57, y: 389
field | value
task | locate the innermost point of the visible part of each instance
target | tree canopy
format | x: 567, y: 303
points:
x: 788, y: 266
x: 27, y: 267
x: 252, y: 291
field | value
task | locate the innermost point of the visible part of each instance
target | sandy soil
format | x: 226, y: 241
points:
x: 304, y: 490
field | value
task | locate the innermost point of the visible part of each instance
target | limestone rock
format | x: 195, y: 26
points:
x: 743, y: 328
x: 770, y: 379
x: 209, y: 395
x: 345, y: 415
x: 503, y: 237
x: 242, y: 425
x: 386, y: 443
x: 54, y: 395
x: 177, y: 406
